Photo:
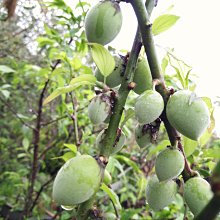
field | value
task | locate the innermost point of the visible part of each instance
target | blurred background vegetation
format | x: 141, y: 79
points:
x: 42, y: 47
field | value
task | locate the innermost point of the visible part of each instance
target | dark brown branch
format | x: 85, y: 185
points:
x: 36, y: 141
x: 36, y: 149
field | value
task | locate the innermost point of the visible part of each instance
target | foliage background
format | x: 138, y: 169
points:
x: 42, y: 36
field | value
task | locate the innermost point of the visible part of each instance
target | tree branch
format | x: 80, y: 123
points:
x: 150, y: 49
x: 118, y: 109
x: 123, y: 92
x: 36, y: 141
x: 74, y: 118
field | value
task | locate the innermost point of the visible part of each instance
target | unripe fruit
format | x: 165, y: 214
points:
x: 148, y: 107
x: 99, y: 108
x: 188, y: 114
x: 197, y: 193
x: 160, y: 194
x: 103, y: 22
x: 143, y: 135
x: 118, y: 145
x: 142, y: 77
x: 115, y: 78
x: 169, y: 164
x: 77, y: 180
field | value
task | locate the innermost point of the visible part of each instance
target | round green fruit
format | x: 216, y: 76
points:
x: 169, y: 164
x: 115, y: 78
x: 160, y: 194
x: 197, y: 193
x: 77, y: 180
x: 143, y: 135
x: 99, y: 108
x: 148, y: 107
x: 142, y: 77
x: 188, y: 114
x: 115, y: 149
x: 103, y: 22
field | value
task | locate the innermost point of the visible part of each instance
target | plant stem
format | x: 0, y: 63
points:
x: 74, y: 117
x: 120, y: 101
x: 123, y: 92
x: 36, y: 141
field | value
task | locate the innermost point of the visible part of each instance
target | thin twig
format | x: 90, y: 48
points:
x: 16, y: 114
x: 80, y: 2
x: 55, y: 120
x: 36, y: 141
x: 74, y: 117
x: 39, y: 192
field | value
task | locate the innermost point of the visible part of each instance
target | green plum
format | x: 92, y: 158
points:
x: 148, y: 106
x: 142, y: 77
x: 197, y: 193
x: 99, y: 108
x: 77, y: 180
x: 188, y: 114
x: 160, y: 194
x: 143, y: 135
x: 103, y: 22
x: 169, y: 164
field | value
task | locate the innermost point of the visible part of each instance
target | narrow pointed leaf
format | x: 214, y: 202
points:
x: 163, y: 23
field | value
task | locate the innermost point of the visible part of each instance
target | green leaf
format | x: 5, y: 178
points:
x: 187, y: 78
x: 163, y: 23
x: 25, y: 143
x: 205, y: 138
x: 82, y: 78
x: 189, y: 146
x: 210, y: 106
x: 44, y: 41
x: 112, y: 195
x: 74, y: 84
x: 161, y: 146
x: 142, y: 183
x: 164, y: 64
x: 179, y: 76
x: 213, y: 153
x: 72, y: 147
x: 6, y: 93
x: 102, y: 58
x: 128, y: 162
x: 129, y: 113
x: 6, y: 69
x: 66, y: 156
